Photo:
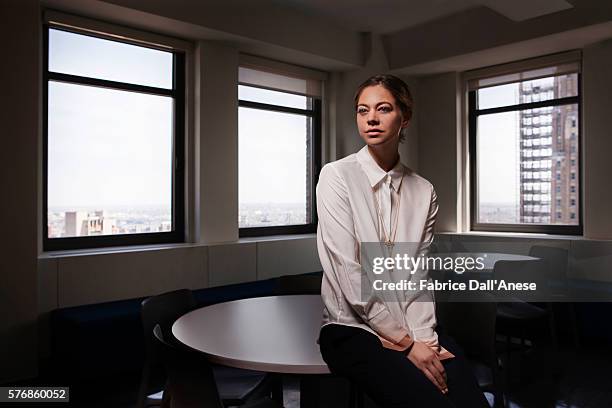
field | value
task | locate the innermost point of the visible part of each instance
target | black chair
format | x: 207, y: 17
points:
x: 236, y: 386
x: 191, y: 380
x: 519, y: 317
x: 309, y: 284
x: 472, y: 325
x: 516, y: 315
x: 556, y: 261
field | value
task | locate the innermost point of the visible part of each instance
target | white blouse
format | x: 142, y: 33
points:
x: 348, y: 216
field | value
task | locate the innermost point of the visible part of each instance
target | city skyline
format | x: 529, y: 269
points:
x: 143, y: 219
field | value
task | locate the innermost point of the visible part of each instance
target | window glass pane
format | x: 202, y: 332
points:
x: 495, y: 96
x: 109, y: 161
x: 536, y: 90
x: 498, y: 168
x: 273, y: 179
x: 249, y: 93
x: 522, y: 181
x: 87, y: 56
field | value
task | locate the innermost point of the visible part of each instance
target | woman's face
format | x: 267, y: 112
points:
x: 379, y: 119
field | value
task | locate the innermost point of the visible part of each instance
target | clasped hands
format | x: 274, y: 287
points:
x: 429, y: 362
x: 426, y: 358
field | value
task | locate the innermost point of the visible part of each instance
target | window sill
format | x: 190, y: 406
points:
x: 524, y: 235
x: 161, y: 247
x: 282, y: 237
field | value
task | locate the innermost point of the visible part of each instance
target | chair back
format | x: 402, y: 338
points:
x: 522, y: 272
x: 298, y: 285
x: 164, y: 309
x: 472, y: 325
x: 191, y: 382
x: 555, y: 263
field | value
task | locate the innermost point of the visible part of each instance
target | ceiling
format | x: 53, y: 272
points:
x: 418, y: 37
x: 387, y: 16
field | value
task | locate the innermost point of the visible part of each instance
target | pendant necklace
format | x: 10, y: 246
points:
x: 388, y: 237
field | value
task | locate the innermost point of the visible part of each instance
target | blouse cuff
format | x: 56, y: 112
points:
x: 425, y: 334
x: 388, y: 328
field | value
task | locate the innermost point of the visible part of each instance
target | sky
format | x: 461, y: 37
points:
x: 280, y: 138
x: 497, y: 147
x: 110, y: 148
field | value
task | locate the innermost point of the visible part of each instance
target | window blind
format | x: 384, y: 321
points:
x: 277, y: 76
x: 553, y: 65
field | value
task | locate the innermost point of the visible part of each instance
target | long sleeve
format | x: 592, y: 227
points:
x: 338, y: 252
x: 421, y: 314
x: 428, y: 229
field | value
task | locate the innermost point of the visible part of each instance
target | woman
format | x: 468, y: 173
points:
x: 390, y: 350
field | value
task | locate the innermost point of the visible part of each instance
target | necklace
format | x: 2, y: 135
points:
x: 388, y: 238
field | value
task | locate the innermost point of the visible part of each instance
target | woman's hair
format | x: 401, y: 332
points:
x: 399, y: 90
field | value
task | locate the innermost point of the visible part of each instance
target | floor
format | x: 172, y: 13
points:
x: 568, y: 378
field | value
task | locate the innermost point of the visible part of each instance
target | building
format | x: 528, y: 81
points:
x: 82, y: 223
x: 548, y: 151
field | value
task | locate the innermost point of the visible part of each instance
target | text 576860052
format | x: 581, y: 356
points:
x: 34, y: 394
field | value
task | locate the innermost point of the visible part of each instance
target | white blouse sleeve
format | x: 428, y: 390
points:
x: 428, y: 229
x: 422, y: 314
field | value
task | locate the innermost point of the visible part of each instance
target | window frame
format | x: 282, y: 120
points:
x: 177, y: 234
x: 473, y: 113
x: 313, y: 167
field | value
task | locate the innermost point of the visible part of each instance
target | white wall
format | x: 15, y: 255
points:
x: 216, y: 142
x: 19, y: 110
x: 439, y: 130
x: 80, y: 279
x: 596, y: 140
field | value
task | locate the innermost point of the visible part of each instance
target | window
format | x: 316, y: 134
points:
x: 279, y: 149
x: 514, y: 115
x: 113, y: 141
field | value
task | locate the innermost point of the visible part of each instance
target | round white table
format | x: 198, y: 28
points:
x: 276, y: 334
x: 273, y: 334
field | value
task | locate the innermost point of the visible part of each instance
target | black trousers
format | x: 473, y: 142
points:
x: 389, y: 378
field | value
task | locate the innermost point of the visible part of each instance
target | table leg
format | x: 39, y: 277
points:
x: 310, y: 391
x: 277, y: 389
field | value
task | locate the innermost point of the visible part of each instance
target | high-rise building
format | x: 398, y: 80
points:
x: 548, y: 153
x: 82, y: 223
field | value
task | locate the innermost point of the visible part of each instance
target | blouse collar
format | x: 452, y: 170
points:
x: 375, y: 174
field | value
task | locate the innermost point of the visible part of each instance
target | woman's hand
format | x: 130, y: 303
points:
x: 429, y: 363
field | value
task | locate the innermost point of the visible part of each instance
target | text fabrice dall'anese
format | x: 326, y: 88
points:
x: 423, y: 284
x: 412, y: 264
